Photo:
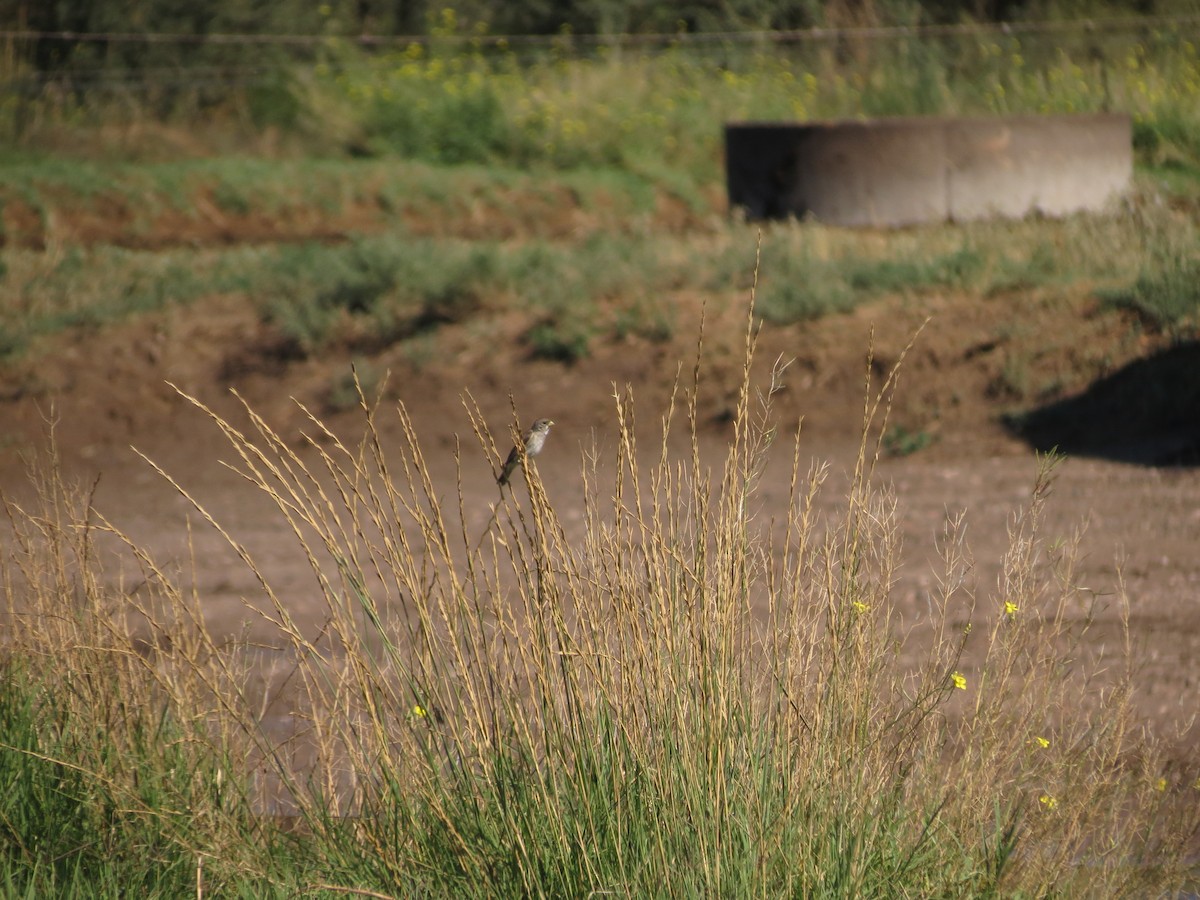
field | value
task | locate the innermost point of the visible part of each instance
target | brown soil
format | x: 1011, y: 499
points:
x: 977, y: 359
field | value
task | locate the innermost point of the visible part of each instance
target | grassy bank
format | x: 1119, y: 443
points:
x: 676, y: 694
x: 607, y: 266
x: 584, y: 177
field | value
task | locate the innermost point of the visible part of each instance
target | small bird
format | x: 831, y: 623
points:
x: 535, y: 439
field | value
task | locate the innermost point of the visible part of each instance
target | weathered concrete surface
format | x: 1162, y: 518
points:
x: 903, y: 171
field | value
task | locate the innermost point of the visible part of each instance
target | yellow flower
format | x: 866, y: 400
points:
x: 1047, y: 801
x: 1042, y: 742
x: 960, y: 680
x: 1011, y: 609
x: 418, y: 711
x: 859, y: 606
x: 1160, y: 785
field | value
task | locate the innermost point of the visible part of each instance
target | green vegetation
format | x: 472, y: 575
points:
x: 81, y: 288
x: 558, y: 170
x: 1166, y: 293
x: 900, y: 441
x: 301, y: 196
x: 106, y: 788
x: 679, y: 693
x: 664, y: 111
x: 101, y: 802
x: 371, y: 291
x: 460, y: 95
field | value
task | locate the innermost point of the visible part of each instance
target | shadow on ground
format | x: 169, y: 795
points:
x: 1147, y: 413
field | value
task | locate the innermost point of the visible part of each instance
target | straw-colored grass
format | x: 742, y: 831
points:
x: 678, y: 697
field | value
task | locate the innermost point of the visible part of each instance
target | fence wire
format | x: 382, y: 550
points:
x: 66, y: 68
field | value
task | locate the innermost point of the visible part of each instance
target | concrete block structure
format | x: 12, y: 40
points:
x: 904, y: 171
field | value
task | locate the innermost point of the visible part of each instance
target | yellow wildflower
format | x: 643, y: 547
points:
x: 960, y: 680
x: 1047, y: 801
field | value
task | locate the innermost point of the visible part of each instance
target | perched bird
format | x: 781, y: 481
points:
x: 535, y: 439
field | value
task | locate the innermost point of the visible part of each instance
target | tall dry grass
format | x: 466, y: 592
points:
x: 681, y: 696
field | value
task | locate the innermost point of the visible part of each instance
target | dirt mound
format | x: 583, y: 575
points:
x: 967, y: 368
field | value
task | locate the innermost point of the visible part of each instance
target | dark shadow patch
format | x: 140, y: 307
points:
x: 271, y: 354
x: 1146, y: 413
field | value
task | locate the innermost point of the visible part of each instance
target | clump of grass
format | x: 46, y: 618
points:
x: 654, y: 321
x: 438, y: 120
x: 1163, y: 288
x: 1166, y: 295
x: 113, y: 780
x: 680, y: 694
x: 112, y: 801
x: 602, y: 287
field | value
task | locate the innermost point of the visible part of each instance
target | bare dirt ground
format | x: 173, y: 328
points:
x: 108, y: 389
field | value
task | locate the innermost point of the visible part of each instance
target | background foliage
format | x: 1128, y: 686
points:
x: 638, y: 86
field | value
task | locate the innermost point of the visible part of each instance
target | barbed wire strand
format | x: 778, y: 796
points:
x: 816, y: 34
